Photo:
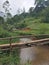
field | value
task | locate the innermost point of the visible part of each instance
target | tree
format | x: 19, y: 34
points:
x: 18, y: 11
x: 23, y: 14
x: 40, y: 6
x: 21, y: 25
x: 1, y: 20
x: 7, y: 9
x: 45, y: 3
x: 45, y: 15
x: 38, y: 1
x: 31, y: 11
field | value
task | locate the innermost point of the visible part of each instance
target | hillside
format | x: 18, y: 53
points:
x: 33, y: 22
x: 26, y: 26
x: 34, y: 26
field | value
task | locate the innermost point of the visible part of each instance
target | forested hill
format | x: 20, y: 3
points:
x: 35, y: 21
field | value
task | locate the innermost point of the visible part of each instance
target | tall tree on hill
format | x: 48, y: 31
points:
x: 31, y: 11
x: 40, y: 5
x: 7, y: 9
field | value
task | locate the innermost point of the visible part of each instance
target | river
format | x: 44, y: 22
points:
x: 36, y: 55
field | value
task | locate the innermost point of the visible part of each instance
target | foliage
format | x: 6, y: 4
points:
x: 21, y: 25
x: 45, y: 15
x: 34, y: 20
x: 6, y: 6
x: 4, y: 33
x: 1, y: 20
x: 7, y: 59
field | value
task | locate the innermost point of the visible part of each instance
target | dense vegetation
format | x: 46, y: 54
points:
x: 36, y: 21
x: 33, y: 22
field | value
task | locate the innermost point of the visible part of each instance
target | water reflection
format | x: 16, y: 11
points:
x: 36, y: 55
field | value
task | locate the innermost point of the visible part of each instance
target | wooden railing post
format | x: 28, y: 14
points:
x: 10, y: 45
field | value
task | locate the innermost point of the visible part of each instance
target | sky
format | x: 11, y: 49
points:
x: 18, y: 4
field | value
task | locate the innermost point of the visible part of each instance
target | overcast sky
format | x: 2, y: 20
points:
x: 16, y: 4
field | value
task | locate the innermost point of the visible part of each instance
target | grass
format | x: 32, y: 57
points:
x: 8, y: 41
x: 7, y: 59
x: 36, y: 28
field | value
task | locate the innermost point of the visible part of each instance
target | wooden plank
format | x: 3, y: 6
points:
x: 26, y: 36
x: 20, y: 44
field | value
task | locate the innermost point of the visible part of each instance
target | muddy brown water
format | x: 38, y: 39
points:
x: 35, y: 55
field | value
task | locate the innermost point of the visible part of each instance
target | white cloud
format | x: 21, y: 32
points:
x: 15, y: 4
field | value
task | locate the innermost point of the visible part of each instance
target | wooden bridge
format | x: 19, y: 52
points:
x: 11, y: 45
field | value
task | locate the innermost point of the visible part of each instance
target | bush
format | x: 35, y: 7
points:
x: 4, y: 34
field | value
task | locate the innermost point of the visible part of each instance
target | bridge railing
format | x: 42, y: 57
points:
x: 10, y: 40
x: 26, y: 36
